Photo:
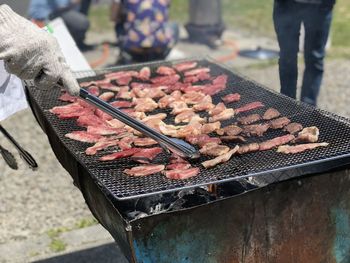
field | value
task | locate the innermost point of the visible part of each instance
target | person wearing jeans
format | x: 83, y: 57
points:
x: 316, y: 16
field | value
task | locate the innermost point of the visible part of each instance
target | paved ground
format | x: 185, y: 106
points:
x: 33, y: 203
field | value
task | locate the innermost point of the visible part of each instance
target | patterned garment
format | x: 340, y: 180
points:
x: 145, y: 24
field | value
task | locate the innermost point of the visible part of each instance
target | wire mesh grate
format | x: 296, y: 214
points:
x: 333, y: 129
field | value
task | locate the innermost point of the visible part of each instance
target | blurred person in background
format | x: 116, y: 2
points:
x: 69, y: 10
x: 316, y: 16
x: 29, y: 53
x: 144, y: 30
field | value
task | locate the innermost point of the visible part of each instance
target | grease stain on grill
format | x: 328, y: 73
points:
x: 333, y: 129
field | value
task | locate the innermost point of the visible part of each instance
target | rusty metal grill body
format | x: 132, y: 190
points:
x: 333, y: 129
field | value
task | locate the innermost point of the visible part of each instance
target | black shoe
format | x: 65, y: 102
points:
x: 85, y: 47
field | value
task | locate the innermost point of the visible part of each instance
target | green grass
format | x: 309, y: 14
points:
x: 86, y: 223
x: 57, y: 245
x: 254, y: 16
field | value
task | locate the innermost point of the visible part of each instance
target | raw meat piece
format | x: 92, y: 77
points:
x: 219, y: 108
x: 178, y: 166
x: 67, y: 97
x: 279, y: 123
x: 193, y: 97
x: 191, y: 79
x: 104, y: 130
x: 164, y: 70
x: 231, y: 130
x: 178, y: 107
x: 110, y: 87
x: 308, y: 134
x: 125, y: 143
x: 220, y: 159
x: 185, y: 116
x: 255, y: 129
x: 181, y: 174
x: 203, y: 76
x: 220, y: 80
x: 169, y: 130
x: 300, y: 148
x: 115, y: 123
x: 225, y: 115
x: 122, y: 104
x: 158, y: 116
x: 233, y: 97
x: 146, y: 155
x: 202, y: 139
x: 268, y: 145
x: 106, y: 96
x: 250, y: 106
x: 145, y: 104
x: 94, y: 90
x: 90, y: 120
x: 214, y: 149
x: 270, y: 114
x: 189, y: 88
x: 101, y: 145
x: 165, y: 80
x: 185, y: 66
x: 210, y: 127
x: 248, y: 148
x: 84, y: 136
x: 123, y: 80
x: 75, y: 114
x: 102, y: 115
x: 144, y: 74
x: 124, y: 93
x: 205, y: 104
x: 139, y: 85
x: 144, y: 142
x: 85, y: 104
x: 176, y: 159
x: 249, y: 119
x: 211, y: 140
x: 118, y: 155
x: 196, y: 71
x: 293, y: 127
x: 122, y: 74
x: 144, y: 170
x: 165, y: 101
x: 69, y: 108
x: 232, y: 138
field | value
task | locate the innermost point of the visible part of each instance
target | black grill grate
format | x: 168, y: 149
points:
x: 333, y: 129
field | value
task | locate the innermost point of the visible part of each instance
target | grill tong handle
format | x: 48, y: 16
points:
x: 175, y: 145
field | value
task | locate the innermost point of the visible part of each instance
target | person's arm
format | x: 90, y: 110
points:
x: 31, y: 53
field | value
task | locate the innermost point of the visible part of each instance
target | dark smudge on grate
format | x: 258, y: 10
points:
x: 333, y: 129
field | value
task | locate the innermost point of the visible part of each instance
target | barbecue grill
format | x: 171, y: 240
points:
x: 110, y: 194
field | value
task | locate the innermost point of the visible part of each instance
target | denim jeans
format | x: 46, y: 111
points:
x: 288, y: 17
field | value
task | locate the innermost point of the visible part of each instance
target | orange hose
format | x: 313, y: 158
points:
x: 233, y: 54
x: 103, y: 58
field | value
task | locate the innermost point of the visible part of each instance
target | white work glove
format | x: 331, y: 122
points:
x: 31, y: 53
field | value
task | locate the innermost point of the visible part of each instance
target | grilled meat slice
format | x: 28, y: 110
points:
x: 230, y: 130
x: 287, y: 149
x: 144, y: 142
x: 232, y: 138
x: 219, y: 108
x: 308, y: 134
x: 270, y: 144
x: 145, y: 104
x: 293, y: 127
x: 249, y: 119
x: 270, y: 114
x: 165, y: 80
x: 210, y: 127
x: 255, y: 129
x: 101, y: 145
x: 248, y: 148
x: 214, y: 149
x: 225, y: 115
x: 181, y: 174
x: 196, y: 71
x: 185, y: 116
x: 164, y: 70
x: 144, y: 74
x: 146, y: 155
x: 279, y: 123
x: 233, y: 97
x: 122, y: 104
x: 106, y: 96
x: 178, y: 166
x: 185, y: 66
x: 118, y: 155
x: 103, y: 130
x: 220, y: 159
x: 250, y: 106
x: 84, y: 136
x: 144, y: 170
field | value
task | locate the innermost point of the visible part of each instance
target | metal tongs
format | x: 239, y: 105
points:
x: 177, y: 146
x: 22, y: 153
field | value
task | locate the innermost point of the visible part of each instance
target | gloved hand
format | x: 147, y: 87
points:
x: 31, y: 53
